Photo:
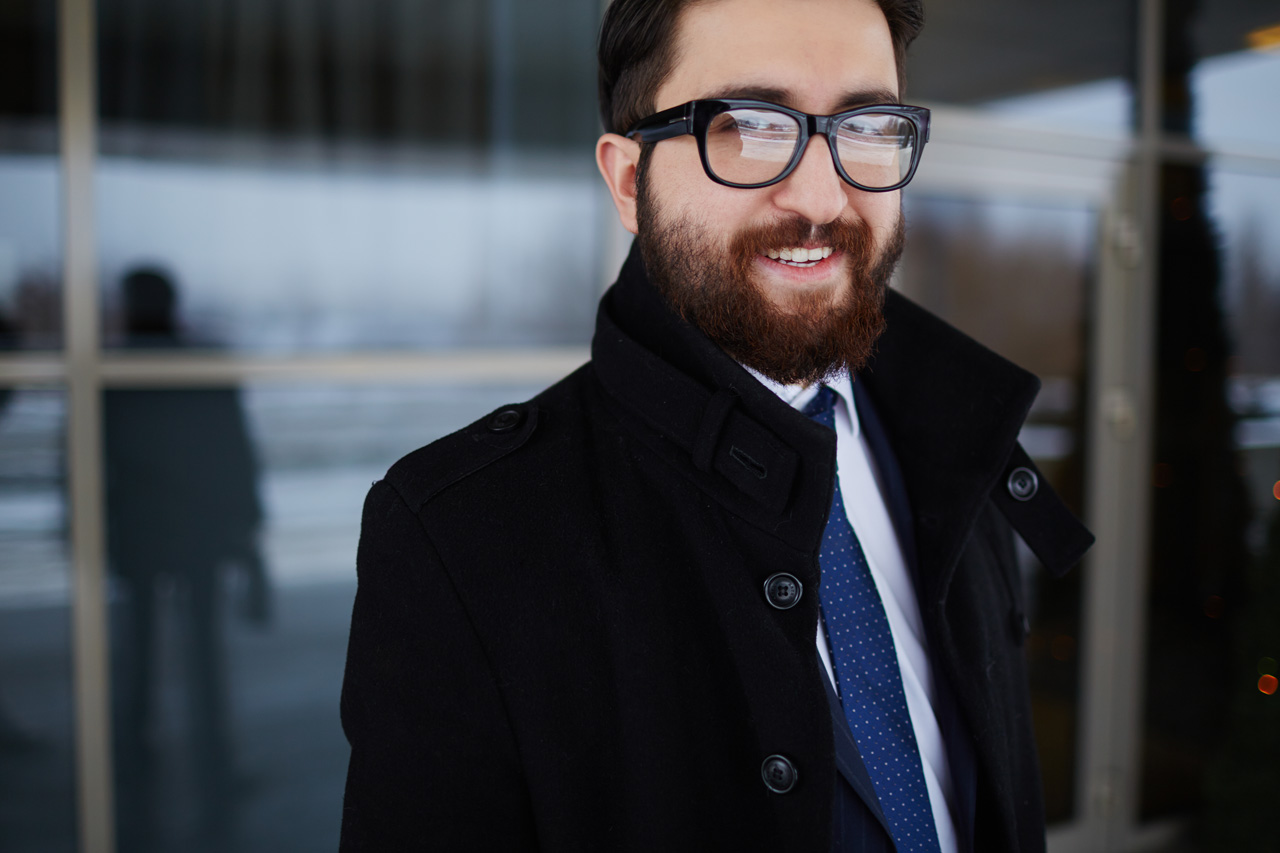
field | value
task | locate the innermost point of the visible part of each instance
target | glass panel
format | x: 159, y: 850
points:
x: 1062, y: 64
x: 37, y: 762
x: 1017, y: 276
x: 30, y: 289
x: 1223, y: 63
x: 353, y: 174
x: 1214, y: 626
x: 233, y: 519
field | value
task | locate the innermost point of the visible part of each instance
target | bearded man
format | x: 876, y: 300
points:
x: 746, y: 580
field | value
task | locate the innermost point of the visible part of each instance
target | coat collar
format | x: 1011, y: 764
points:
x: 709, y: 417
x: 952, y: 410
x: 951, y: 407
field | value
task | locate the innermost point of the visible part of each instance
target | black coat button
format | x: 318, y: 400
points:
x: 1023, y: 484
x: 779, y: 774
x: 505, y: 420
x: 783, y: 591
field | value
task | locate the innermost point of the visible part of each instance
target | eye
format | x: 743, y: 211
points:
x: 723, y: 123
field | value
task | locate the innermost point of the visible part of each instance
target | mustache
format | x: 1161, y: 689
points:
x: 852, y: 237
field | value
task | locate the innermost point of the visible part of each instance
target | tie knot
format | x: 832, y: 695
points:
x: 822, y: 407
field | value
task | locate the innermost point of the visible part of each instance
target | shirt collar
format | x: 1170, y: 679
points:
x: 798, y: 396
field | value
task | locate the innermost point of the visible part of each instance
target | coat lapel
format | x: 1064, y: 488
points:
x: 953, y: 410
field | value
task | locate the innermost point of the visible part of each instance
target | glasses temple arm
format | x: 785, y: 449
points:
x: 667, y: 124
x: 678, y: 127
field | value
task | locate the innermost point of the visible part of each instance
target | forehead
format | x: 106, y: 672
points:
x: 816, y: 51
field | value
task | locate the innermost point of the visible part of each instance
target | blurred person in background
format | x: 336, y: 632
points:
x: 746, y: 580
x: 183, y: 507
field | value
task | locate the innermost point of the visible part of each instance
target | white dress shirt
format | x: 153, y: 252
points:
x: 864, y: 503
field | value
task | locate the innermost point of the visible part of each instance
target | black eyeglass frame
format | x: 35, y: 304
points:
x: 694, y: 117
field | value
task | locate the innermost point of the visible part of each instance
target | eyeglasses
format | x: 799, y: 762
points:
x: 751, y: 144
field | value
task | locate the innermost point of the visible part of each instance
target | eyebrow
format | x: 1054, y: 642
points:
x: 851, y: 99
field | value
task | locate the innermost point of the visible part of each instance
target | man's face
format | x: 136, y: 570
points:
x: 707, y: 246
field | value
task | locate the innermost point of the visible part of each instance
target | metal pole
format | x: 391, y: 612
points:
x: 1122, y: 421
x: 1131, y: 672
x: 78, y: 139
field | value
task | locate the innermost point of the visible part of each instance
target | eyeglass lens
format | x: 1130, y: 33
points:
x: 753, y: 146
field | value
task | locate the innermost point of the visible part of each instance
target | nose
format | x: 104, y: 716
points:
x: 814, y: 190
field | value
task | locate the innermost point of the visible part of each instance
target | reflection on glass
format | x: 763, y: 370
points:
x: 37, y: 784
x: 1214, y: 625
x: 29, y: 252
x: 234, y: 516
x: 1101, y: 108
x: 1214, y: 606
x: 354, y: 174
x: 311, y: 259
x: 1059, y: 64
x: 1227, y: 57
x: 1015, y: 277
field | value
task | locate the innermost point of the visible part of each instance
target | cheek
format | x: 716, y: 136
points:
x: 879, y: 210
x: 670, y: 180
x: 727, y: 211
x: 681, y: 190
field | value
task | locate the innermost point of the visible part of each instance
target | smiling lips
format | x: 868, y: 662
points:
x: 800, y: 257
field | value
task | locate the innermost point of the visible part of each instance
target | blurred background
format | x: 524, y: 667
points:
x: 253, y: 251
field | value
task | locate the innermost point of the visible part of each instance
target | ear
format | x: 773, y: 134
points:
x: 617, y: 158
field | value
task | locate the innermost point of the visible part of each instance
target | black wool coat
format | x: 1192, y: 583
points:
x: 561, y: 639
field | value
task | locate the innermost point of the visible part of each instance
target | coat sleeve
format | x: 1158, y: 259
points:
x: 434, y: 763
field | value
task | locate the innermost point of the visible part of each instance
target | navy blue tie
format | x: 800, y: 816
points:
x: 866, y: 667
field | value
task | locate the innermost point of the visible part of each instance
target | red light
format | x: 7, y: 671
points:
x: 1267, y: 684
x: 1275, y: 490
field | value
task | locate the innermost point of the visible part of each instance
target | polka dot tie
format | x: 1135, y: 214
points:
x: 866, y: 667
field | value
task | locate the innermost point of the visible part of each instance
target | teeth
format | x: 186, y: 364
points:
x: 800, y: 255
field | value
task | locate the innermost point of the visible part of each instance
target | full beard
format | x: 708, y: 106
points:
x: 815, y: 335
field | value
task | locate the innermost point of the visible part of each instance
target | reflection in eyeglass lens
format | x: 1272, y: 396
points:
x: 875, y: 149
x: 749, y: 146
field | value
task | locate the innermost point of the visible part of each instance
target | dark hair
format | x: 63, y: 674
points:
x: 636, y: 52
